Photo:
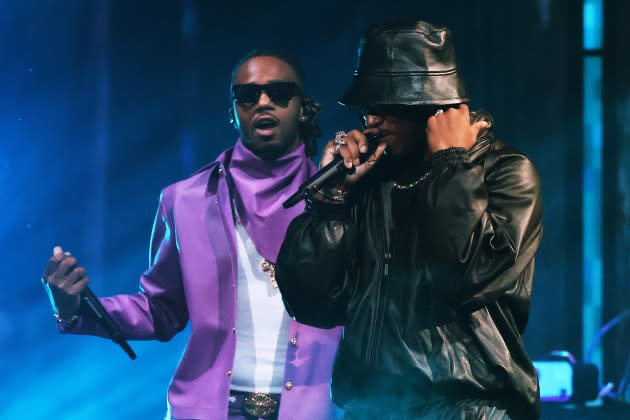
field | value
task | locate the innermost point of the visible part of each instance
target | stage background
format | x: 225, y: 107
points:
x: 103, y: 103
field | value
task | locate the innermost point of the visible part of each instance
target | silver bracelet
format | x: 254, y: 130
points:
x: 59, y: 317
x: 334, y: 194
x: 63, y: 318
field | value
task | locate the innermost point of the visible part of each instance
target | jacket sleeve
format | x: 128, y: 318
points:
x: 485, y: 225
x: 312, y: 269
x: 158, y: 310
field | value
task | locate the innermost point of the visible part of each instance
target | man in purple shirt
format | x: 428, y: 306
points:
x: 215, y: 240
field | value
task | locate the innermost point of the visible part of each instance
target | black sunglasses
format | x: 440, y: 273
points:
x: 404, y: 112
x: 279, y: 92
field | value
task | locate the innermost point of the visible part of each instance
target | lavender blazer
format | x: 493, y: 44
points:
x: 193, y: 276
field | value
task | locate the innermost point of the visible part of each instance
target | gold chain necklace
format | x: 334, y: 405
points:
x: 414, y: 183
x: 270, y: 268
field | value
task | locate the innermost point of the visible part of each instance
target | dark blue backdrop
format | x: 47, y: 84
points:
x: 103, y: 103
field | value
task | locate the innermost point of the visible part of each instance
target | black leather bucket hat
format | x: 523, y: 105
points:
x: 406, y: 63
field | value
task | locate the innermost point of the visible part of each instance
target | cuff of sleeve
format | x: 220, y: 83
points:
x: 65, y: 325
x: 453, y: 156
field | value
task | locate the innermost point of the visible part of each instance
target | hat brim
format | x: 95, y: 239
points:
x: 417, y: 89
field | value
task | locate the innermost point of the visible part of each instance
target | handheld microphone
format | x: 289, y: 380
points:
x: 311, y: 185
x: 90, y: 302
x: 314, y: 183
x: 106, y: 322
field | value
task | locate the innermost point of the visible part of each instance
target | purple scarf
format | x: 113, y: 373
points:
x: 261, y: 187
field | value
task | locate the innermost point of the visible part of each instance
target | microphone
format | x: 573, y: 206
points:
x: 106, y: 322
x: 335, y: 167
x: 311, y: 185
x: 90, y: 302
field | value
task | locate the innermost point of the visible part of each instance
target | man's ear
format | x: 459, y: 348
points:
x: 309, y: 109
x: 306, y: 110
x: 231, y: 117
x: 303, y: 114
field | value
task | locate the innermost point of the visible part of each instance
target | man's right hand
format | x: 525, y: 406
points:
x: 66, y: 280
x: 355, y: 147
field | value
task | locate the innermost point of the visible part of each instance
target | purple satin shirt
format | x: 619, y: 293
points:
x: 193, y: 276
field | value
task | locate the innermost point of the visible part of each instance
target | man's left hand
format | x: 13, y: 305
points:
x: 452, y: 128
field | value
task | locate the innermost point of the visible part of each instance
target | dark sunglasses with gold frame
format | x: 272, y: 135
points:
x: 280, y: 93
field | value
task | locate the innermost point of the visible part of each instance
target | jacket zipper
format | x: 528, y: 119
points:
x: 374, y: 336
x: 375, y: 333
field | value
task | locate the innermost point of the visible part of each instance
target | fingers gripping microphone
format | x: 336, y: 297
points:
x: 334, y: 168
x: 90, y: 303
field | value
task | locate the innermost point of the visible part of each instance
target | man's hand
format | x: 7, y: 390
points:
x: 66, y: 281
x: 355, y: 147
x: 452, y: 128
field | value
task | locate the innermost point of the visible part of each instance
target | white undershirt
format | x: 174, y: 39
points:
x: 261, y: 324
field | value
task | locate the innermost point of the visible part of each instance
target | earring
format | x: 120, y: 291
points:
x: 231, y: 118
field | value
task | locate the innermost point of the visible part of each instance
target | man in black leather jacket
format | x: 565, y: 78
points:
x: 425, y: 253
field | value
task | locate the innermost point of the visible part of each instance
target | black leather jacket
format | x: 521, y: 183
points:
x: 432, y: 284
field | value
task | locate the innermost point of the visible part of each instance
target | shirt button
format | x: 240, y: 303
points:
x: 234, y: 330
x: 228, y: 373
x: 288, y: 385
x: 220, y: 171
x: 293, y: 341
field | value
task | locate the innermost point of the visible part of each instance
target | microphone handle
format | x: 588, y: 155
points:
x: 311, y: 185
x: 106, y: 321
